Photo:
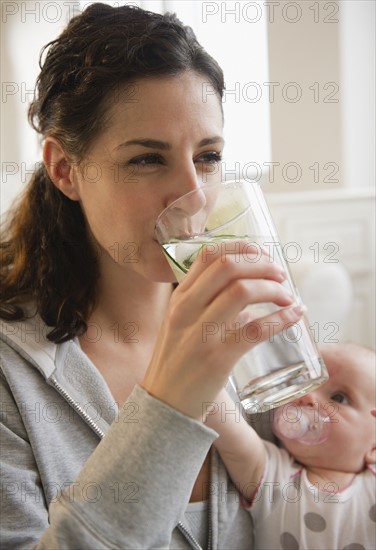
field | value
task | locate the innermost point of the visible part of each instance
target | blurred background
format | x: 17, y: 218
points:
x: 299, y: 118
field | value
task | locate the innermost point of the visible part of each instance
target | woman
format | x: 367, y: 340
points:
x: 96, y: 344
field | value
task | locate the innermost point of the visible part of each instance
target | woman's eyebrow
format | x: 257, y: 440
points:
x: 211, y: 141
x: 163, y: 145
x: 146, y: 142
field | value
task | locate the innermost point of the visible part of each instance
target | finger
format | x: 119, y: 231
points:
x: 220, y: 276
x: 246, y: 292
x: 267, y: 327
x: 239, y: 341
x: 244, y: 252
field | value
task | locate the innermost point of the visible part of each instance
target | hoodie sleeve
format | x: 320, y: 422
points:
x: 23, y: 509
x: 130, y: 494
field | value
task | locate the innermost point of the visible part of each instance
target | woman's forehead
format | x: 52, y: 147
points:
x: 161, y: 106
x: 188, y: 87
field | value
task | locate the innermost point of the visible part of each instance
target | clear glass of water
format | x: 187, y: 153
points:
x: 218, y: 218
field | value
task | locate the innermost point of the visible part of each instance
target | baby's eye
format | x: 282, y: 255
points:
x: 147, y: 160
x: 340, y: 398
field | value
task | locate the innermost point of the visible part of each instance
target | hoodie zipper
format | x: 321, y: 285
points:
x: 190, y: 538
x: 100, y: 433
x: 77, y: 407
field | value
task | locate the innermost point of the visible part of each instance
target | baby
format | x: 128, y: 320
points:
x: 311, y: 496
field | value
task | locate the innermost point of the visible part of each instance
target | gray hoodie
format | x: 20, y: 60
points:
x: 77, y: 473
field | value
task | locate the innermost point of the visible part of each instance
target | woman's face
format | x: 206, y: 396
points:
x: 162, y: 139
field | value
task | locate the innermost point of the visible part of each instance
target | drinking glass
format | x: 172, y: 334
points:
x: 221, y: 217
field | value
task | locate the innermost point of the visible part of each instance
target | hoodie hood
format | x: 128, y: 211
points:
x: 64, y: 366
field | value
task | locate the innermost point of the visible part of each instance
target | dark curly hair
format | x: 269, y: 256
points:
x: 47, y: 257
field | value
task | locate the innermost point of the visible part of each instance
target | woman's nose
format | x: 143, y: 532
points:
x: 187, y: 193
x: 184, y: 180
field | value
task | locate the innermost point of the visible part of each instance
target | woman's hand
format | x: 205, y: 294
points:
x: 200, y: 340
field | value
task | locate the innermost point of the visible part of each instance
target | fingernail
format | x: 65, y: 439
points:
x: 299, y: 309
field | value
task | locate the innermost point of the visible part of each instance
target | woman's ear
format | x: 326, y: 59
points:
x: 59, y: 168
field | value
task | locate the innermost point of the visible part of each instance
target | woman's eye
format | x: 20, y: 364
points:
x: 211, y: 157
x: 146, y: 160
x: 339, y: 398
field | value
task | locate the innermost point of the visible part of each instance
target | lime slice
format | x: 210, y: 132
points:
x: 184, y: 260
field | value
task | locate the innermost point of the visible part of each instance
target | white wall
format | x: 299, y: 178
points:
x: 357, y: 66
x: 25, y: 28
x: 329, y: 239
x: 306, y: 110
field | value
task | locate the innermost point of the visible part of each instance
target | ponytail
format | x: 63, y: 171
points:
x: 48, y: 260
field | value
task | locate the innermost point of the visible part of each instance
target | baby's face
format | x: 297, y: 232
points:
x: 348, y: 398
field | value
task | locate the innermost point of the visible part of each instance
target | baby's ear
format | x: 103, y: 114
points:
x: 370, y: 457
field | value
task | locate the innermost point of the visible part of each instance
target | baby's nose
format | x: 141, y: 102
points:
x: 308, y: 400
